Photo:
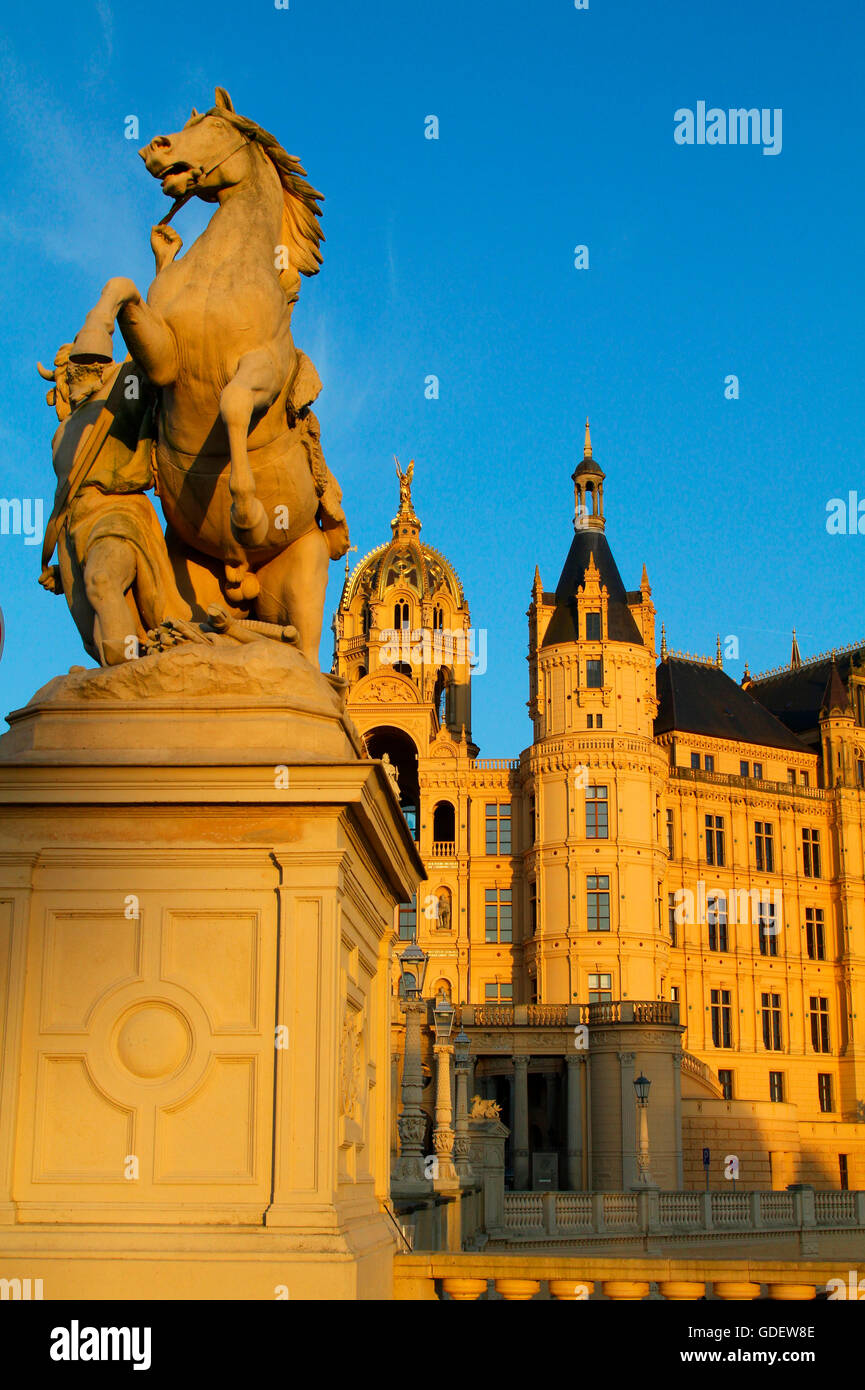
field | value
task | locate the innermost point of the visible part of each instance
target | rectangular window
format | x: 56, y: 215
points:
x: 791, y: 775
x: 860, y: 773
x: 695, y: 761
x: 671, y: 919
x: 497, y: 992
x: 722, y: 1018
x: 709, y: 762
x: 811, y: 853
x: 843, y: 1172
x: 824, y: 1091
x: 716, y: 920
x: 726, y: 1079
x: 805, y: 777
x: 764, y: 846
x: 768, y: 928
x: 758, y: 772
x: 498, y: 914
x: 595, y: 674
x: 671, y: 832
x: 815, y: 940
x: 590, y: 721
x: 819, y: 1023
x: 674, y: 994
x: 597, y: 820
x: 593, y: 627
x: 598, y: 902
x: 600, y: 989
x: 498, y: 828
x: 408, y: 919
x: 599, y: 721
x: 744, y: 768
x: 533, y: 907
x: 715, y: 841
x: 776, y: 1086
x: 771, y: 1011
x: 533, y: 812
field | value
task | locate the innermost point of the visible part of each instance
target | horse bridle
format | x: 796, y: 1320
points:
x: 196, y: 180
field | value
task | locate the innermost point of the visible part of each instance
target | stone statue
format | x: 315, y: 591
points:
x: 253, y: 513
x: 444, y: 911
x: 113, y: 566
x: 405, y: 503
x: 391, y: 772
x: 484, y: 1109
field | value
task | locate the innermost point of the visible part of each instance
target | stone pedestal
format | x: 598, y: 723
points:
x: 197, y: 882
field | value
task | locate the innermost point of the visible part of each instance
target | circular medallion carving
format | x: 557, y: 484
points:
x: 153, y: 1041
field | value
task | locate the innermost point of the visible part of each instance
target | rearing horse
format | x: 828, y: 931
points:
x: 242, y: 480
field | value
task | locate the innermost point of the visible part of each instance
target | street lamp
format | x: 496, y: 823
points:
x: 411, y: 1121
x: 641, y: 1087
x: 462, y: 1058
x: 444, y: 1014
x: 413, y: 964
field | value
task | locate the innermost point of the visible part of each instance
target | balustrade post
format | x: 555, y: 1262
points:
x: 548, y: 1206
x: 599, y: 1224
x: 756, y: 1212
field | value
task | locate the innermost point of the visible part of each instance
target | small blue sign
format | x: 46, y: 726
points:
x: 706, y: 1157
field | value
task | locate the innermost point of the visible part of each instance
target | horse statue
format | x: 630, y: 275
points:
x: 253, y: 513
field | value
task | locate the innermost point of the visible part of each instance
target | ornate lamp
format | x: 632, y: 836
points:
x: 413, y: 964
x: 641, y: 1086
x: 462, y: 1048
x: 444, y: 1014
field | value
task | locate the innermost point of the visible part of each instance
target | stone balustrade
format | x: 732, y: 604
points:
x: 518, y: 1278
x: 543, y: 1218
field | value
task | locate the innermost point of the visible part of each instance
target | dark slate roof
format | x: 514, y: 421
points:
x: 694, y: 698
x: 620, y: 622
x: 796, y: 696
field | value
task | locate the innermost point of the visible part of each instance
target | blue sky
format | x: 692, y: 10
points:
x: 456, y: 257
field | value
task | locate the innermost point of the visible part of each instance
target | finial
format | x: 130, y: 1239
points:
x: 719, y: 660
x: 746, y: 676
x: 587, y: 449
x: 645, y: 586
x: 663, y: 643
x: 795, y: 654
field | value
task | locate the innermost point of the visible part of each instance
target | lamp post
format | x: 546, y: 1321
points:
x: 641, y: 1087
x: 462, y: 1057
x: 411, y: 1123
x: 444, y: 1014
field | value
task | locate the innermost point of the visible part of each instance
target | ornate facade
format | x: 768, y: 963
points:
x: 674, y: 846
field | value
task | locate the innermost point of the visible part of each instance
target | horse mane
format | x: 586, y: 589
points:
x: 301, y: 231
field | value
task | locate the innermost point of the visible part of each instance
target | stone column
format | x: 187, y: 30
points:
x: 574, y: 1104
x: 462, y: 1143
x: 443, y: 1134
x: 629, y: 1117
x: 412, y: 1121
x: 677, y: 1118
x: 521, y: 1123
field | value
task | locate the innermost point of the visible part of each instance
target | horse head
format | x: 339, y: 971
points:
x: 212, y: 153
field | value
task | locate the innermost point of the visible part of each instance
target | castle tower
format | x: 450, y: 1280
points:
x: 595, y: 776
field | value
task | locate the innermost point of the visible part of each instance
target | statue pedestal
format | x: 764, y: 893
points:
x: 195, y: 936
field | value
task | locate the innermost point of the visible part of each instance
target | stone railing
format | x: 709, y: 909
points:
x: 547, y: 1015
x: 493, y: 1015
x: 444, y: 849
x: 494, y: 764
x: 518, y: 1278
x: 697, y: 1068
x: 631, y: 1011
x: 543, y: 1218
x: 733, y: 779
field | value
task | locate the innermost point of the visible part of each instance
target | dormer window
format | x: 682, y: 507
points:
x: 593, y: 627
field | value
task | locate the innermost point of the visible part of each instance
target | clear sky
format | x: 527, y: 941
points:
x: 455, y: 257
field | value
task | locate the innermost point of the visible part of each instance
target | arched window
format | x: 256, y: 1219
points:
x: 444, y: 823
x: 404, y: 667
x: 366, y: 619
x: 441, y: 695
x: 401, y: 616
x: 438, y: 618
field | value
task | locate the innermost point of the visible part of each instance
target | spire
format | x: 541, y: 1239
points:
x: 537, y: 586
x: 645, y: 586
x: 663, y: 643
x: 719, y: 660
x: 588, y: 479
x: 795, y: 655
x: 836, y: 699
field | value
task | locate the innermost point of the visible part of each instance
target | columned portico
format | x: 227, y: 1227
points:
x: 521, y: 1122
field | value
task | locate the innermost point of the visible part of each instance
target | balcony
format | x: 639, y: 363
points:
x: 444, y: 849
x: 638, y: 1011
x: 732, y: 779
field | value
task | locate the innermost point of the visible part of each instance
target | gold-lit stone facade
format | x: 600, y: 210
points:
x: 587, y: 870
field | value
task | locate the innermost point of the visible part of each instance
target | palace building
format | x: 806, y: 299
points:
x: 675, y: 865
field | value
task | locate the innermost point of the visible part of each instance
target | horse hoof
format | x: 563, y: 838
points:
x: 249, y: 525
